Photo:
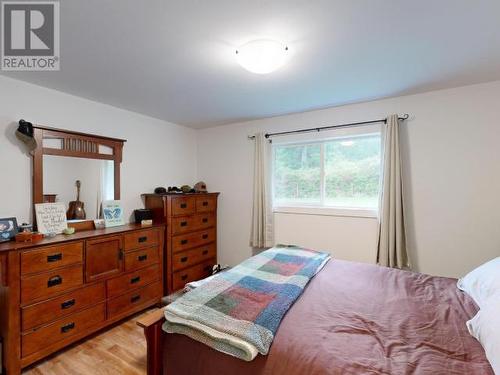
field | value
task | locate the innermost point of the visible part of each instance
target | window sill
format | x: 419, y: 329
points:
x: 327, y: 211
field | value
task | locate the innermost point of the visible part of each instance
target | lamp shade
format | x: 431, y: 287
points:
x: 262, y: 56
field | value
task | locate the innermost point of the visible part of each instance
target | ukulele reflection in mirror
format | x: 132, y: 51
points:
x: 76, y: 210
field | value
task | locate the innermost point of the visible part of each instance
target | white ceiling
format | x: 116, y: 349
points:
x: 174, y: 60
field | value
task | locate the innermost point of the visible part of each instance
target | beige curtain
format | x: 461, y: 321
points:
x: 262, y: 234
x: 392, y: 250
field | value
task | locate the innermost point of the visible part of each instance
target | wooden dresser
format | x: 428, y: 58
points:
x: 190, y: 235
x: 62, y: 289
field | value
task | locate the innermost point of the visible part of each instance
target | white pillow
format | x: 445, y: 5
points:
x: 485, y: 327
x: 482, y: 282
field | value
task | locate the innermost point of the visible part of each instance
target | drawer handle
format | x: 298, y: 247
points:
x: 120, y: 254
x: 142, y: 239
x: 54, y: 258
x: 135, y: 280
x: 142, y: 258
x: 184, y: 259
x: 184, y: 223
x: 205, y: 236
x: 134, y: 299
x: 184, y: 205
x: 205, y: 203
x: 183, y: 242
x: 184, y: 277
x: 205, y: 252
x: 205, y: 220
x: 53, y: 281
x: 67, y: 327
x: 67, y: 304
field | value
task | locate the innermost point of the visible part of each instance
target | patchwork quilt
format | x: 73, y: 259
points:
x: 239, y: 311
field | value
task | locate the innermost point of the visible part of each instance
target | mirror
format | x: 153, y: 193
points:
x: 96, y: 177
x: 63, y: 157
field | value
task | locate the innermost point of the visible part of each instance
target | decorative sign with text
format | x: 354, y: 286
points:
x: 50, y: 217
x: 113, y: 213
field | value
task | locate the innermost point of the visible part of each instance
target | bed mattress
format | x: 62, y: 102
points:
x: 356, y: 318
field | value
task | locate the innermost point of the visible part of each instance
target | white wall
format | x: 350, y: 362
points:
x: 157, y: 153
x: 451, y: 158
x: 349, y: 238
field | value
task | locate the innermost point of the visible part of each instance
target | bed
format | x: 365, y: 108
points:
x: 352, y: 318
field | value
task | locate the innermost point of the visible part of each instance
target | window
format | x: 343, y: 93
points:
x: 342, y: 172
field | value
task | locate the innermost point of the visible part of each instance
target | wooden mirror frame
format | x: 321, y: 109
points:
x: 73, y: 144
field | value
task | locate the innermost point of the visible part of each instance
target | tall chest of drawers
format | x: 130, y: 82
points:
x: 190, y: 235
x: 62, y: 289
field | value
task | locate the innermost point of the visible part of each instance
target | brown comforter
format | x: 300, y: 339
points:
x: 356, y: 318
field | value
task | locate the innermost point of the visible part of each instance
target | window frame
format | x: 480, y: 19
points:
x: 319, y: 208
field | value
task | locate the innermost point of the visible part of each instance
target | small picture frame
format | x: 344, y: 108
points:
x: 112, y: 212
x: 8, y: 229
x: 99, y: 224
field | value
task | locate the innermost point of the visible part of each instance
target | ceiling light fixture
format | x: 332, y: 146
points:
x: 262, y: 56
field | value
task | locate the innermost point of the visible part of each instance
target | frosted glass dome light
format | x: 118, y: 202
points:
x: 262, y: 56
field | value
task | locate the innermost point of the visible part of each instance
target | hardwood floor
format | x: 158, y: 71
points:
x: 118, y: 350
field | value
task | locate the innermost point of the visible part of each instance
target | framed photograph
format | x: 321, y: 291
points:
x: 51, y: 217
x: 99, y: 224
x: 113, y: 213
x: 8, y: 229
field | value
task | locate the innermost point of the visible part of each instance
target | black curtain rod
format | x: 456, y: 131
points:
x: 352, y: 124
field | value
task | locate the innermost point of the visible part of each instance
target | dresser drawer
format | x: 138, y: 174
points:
x: 49, y: 258
x: 187, y: 258
x: 200, y: 271
x: 192, y: 223
x: 61, y: 329
x: 45, y: 312
x: 141, y: 258
x: 206, y: 204
x: 143, y: 238
x: 190, y: 240
x: 130, y: 301
x: 133, y: 280
x: 204, y: 221
x: 183, y: 206
x: 50, y: 284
